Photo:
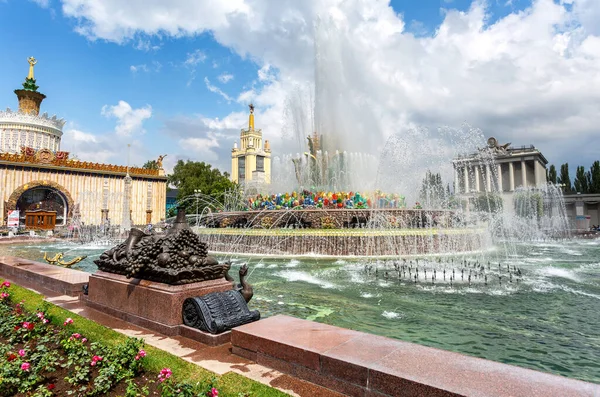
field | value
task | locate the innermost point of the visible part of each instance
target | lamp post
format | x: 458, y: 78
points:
x: 197, y: 195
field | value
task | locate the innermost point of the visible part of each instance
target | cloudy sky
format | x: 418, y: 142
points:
x: 176, y: 76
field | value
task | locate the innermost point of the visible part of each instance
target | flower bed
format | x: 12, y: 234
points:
x: 42, y: 354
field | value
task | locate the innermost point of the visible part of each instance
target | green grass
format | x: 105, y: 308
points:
x: 229, y: 384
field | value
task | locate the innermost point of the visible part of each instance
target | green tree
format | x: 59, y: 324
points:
x: 565, y: 178
x: 581, y: 180
x: 594, y: 184
x: 190, y: 176
x: 433, y: 194
x: 150, y: 165
x: 551, y: 175
x: 487, y: 202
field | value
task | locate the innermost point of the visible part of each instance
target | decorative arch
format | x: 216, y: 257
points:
x: 11, y: 204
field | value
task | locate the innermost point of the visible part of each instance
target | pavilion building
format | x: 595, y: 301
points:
x: 43, y: 188
x: 251, y: 162
x: 499, y: 168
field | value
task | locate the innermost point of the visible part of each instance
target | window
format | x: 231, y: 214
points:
x: 260, y: 163
x: 241, y: 169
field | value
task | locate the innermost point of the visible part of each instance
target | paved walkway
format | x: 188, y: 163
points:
x: 216, y: 359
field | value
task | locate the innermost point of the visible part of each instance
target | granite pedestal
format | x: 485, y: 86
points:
x: 150, y: 304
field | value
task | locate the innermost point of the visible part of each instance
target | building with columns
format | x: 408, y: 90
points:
x: 499, y: 168
x: 43, y: 188
x: 251, y: 162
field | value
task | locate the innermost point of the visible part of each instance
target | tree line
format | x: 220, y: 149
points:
x: 585, y: 181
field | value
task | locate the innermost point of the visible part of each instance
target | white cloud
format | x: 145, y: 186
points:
x: 194, y: 58
x: 156, y: 67
x: 42, y: 3
x: 216, y: 90
x: 129, y: 120
x: 532, y: 76
x: 225, y: 78
x: 138, y: 68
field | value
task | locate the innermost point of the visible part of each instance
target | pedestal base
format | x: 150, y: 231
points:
x: 149, y: 304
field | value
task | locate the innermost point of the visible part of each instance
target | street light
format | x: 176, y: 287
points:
x: 197, y: 195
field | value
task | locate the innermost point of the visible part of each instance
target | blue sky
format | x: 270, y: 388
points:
x: 192, y: 79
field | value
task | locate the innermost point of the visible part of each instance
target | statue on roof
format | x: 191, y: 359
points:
x: 159, y: 163
x: 494, y: 147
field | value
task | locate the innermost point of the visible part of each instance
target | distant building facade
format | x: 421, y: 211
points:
x: 251, y: 162
x: 43, y: 188
x: 584, y: 209
x: 514, y: 167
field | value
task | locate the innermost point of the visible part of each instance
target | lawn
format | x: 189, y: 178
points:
x: 61, y: 350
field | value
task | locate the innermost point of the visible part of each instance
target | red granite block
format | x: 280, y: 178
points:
x: 397, y: 386
x: 337, y: 385
x: 150, y: 300
x: 371, y: 393
x: 245, y: 340
x: 418, y: 370
x: 349, y: 361
x: 291, y: 339
x: 51, y: 277
x: 205, y: 337
x: 275, y: 363
x: 250, y: 355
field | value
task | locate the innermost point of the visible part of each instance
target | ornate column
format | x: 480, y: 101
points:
x: 466, y: 172
x: 488, y: 178
x: 456, y: 180
x: 500, y: 188
x: 477, y: 172
x: 535, y: 173
x: 511, y: 176
x: 523, y: 174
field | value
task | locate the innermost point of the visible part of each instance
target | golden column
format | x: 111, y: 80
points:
x: 30, y: 99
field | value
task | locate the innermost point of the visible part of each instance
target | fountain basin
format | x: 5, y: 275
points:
x: 345, y: 242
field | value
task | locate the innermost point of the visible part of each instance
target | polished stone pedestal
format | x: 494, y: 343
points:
x: 149, y: 304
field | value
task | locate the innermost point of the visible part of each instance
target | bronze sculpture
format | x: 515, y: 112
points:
x: 218, y: 312
x: 176, y: 257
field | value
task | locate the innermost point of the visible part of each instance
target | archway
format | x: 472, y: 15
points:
x: 43, y: 197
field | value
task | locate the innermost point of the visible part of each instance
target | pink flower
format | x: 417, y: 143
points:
x: 28, y: 325
x: 142, y: 353
x: 5, y: 284
x: 68, y: 321
x: 21, y: 352
x: 4, y: 295
x: 25, y: 366
x: 45, y: 321
x: 164, y: 374
x: 84, y: 340
x: 213, y: 393
x: 40, y: 315
x: 95, y: 360
x: 76, y: 336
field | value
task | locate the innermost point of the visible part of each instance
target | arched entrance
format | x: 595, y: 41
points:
x: 41, y: 205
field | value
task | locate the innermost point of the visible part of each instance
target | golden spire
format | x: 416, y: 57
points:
x: 32, y: 61
x: 251, y: 118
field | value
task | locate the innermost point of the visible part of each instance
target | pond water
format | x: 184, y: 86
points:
x: 549, y: 320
